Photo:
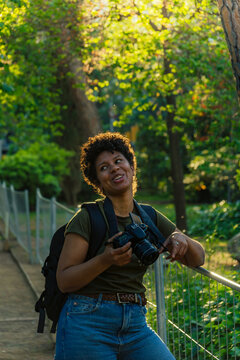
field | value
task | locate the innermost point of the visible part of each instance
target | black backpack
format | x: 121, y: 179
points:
x: 52, y: 299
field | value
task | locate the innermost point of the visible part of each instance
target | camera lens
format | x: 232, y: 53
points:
x: 146, y: 252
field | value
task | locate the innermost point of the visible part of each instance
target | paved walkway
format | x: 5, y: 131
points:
x: 20, y: 283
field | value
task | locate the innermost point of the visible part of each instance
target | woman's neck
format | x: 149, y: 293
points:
x: 122, y: 205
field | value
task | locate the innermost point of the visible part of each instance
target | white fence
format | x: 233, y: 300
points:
x: 198, y: 316
x: 50, y: 215
x: 196, y: 312
x: 14, y: 210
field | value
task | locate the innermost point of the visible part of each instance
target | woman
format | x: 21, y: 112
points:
x: 104, y: 316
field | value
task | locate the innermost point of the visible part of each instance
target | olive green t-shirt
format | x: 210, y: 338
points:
x: 123, y: 279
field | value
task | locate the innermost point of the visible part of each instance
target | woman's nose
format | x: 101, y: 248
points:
x: 114, y: 167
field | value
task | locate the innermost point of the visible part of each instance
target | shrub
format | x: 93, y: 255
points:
x: 39, y: 166
x: 212, y: 175
x: 221, y: 219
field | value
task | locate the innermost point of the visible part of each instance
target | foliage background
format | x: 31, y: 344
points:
x: 132, y: 58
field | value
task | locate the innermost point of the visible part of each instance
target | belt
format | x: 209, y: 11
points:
x: 121, y: 298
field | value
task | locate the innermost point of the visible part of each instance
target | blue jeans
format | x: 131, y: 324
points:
x: 93, y: 329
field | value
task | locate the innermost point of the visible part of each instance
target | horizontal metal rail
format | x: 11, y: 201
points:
x: 63, y: 207
x: 229, y: 283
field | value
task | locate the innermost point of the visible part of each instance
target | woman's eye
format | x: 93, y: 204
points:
x: 103, y: 168
x: 118, y: 161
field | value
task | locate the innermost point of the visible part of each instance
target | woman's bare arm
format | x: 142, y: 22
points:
x: 73, y: 272
x: 184, y: 249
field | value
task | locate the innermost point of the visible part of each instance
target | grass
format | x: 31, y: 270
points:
x: 166, y: 206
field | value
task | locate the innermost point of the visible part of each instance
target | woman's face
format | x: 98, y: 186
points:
x: 114, y: 173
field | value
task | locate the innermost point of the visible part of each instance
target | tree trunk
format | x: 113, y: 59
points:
x: 176, y: 167
x: 175, y: 148
x: 230, y: 16
x: 80, y: 120
x: 79, y: 115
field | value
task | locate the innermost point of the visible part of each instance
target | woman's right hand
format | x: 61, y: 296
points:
x: 120, y: 256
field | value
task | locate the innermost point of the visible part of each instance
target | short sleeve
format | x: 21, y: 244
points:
x: 165, y: 225
x: 80, y: 224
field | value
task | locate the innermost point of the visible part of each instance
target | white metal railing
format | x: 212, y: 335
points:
x: 50, y: 215
x: 197, y: 314
x: 14, y: 211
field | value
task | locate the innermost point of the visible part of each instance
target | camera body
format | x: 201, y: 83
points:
x: 143, y: 245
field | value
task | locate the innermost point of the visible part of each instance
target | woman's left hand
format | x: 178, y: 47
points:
x: 181, y: 247
x: 177, y: 245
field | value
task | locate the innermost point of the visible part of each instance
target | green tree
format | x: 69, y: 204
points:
x: 29, y: 106
x: 161, y: 65
x: 42, y: 95
x: 156, y: 57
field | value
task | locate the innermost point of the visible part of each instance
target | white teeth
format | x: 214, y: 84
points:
x: 118, y: 177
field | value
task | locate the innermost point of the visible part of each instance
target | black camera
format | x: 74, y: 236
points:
x: 142, y: 244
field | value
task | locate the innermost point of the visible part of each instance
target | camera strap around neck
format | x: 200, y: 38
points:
x: 135, y: 218
x: 144, y: 217
x: 148, y: 221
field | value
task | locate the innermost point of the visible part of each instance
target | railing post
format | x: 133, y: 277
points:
x: 6, y: 244
x: 160, y: 299
x: 6, y: 219
x: 38, y: 259
x: 29, y: 239
x: 16, y: 224
x: 53, y: 215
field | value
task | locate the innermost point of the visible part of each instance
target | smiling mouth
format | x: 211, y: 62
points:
x: 118, y: 178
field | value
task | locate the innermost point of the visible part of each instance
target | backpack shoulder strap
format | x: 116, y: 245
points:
x: 150, y: 211
x: 98, y: 228
x: 111, y: 217
x: 147, y: 217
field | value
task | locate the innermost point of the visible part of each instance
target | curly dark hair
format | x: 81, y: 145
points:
x: 109, y: 141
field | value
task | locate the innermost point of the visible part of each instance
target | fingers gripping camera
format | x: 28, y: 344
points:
x: 142, y: 244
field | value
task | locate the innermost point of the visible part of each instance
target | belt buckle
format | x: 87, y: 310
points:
x: 119, y: 299
x: 126, y: 302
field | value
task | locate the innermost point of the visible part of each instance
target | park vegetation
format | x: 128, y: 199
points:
x: 159, y: 71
